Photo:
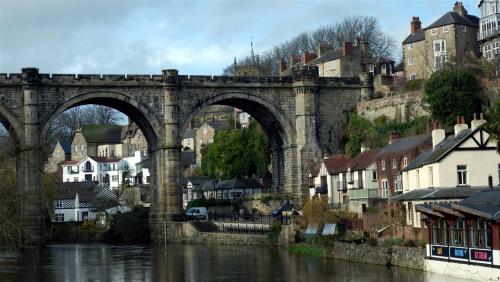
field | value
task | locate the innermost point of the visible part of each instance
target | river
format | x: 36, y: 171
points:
x: 189, y: 263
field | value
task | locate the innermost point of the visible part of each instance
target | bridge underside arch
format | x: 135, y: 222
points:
x: 145, y: 119
x: 277, y: 126
x: 13, y: 126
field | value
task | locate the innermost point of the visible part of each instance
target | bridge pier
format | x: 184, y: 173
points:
x: 167, y: 201
x: 29, y: 181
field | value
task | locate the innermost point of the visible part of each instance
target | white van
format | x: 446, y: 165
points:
x: 197, y: 213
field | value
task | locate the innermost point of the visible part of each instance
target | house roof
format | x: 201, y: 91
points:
x: 441, y: 150
x: 101, y: 133
x: 336, y: 163
x: 329, y: 55
x: 376, y: 60
x: 217, y: 124
x: 455, y: 18
x: 87, y: 191
x: 129, y: 131
x: 419, y: 35
x: 189, y: 133
x: 195, y: 180
x: 399, y: 67
x: 406, y: 143
x: 486, y: 202
x: 315, y: 170
x: 238, y: 183
x: 437, y: 193
x: 363, y: 160
x: 71, y: 162
x: 188, y: 157
x: 104, y: 159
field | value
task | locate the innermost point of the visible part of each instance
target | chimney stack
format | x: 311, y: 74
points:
x: 307, y: 57
x: 293, y: 60
x: 415, y: 24
x: 347, y: 48
x: 460, y: 9
x: 281, y: 66
x: 438, y: 134
x: 393, y: 136
x: 322, y: 48
x: 461, y: 125
x: 475, y: 123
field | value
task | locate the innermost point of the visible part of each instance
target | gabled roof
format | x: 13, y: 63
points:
x: 238, y: 183
x: 376, y: 60
x: 329, y: 55
x: 87, y: 191
x: 437, y: 193
x: 363, y: 160
x: 415, y: 37
x: 336, y: 163
x: 406, y: 143
x: 129, y: 131
x: 455, y: 18
x: 101, y: 133
x: 218, y: 124
x: 442, y: 149
x: 195, y: 180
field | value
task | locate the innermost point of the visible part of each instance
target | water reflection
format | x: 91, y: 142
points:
x: 188, y: 263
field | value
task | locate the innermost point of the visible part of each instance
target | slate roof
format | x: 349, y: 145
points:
x: 195, y: 180
x: 363, y: 160
x: 104, y: 159
x: 455, y: 18
x: 336, y: 163
x: 188, y: 157
x: 415, y: 37
x: 399, y: 67
x: 406, y: 143
x: 218, y: 124
x: 190, y: 133
x: 100, y: 133
x: 437, y: 193
x: 375, y: 60
x: 441, y: 150
x: 329, y: 55
x: 129, y: 131
x: 87, y: 191
x: 238, y: 183
x: 486, y: 202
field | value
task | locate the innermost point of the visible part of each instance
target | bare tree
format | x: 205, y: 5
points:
x: 350, y: 29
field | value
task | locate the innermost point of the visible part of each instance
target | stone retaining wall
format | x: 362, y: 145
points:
x: 396, y: 256
x: 186, y: 233
x: 402, y: 107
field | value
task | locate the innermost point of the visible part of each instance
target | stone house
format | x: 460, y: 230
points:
x: 451, y: 168
x: 192, y: 188
x: 396, y: 156
x: 133, y: 140
x: 489, y: 29
x: 236, y: 188
x: 205, y: 135
x: 60, y: 154
x: 97, y: 140
x: 451, y: 37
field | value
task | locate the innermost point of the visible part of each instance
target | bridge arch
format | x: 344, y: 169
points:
x: 12, y: 124
x: 145, y: 118
x: 276, y: 124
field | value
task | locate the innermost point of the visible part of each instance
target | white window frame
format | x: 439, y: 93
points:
x: 59, y: 203
x: 382, y: 164
x: 384, y: 184
x: 334, y: 66
x: 461, y: 172
x: 405, y: 161
x: 446, y: 29
x: 59, y: 217
x: 394, y: 163
x: 413, y: 76
x: 464, y: 28
x: 434, y: 31
x: 409, y: 46
x: 417, y: 178
x: 431, y: 176
x: 374, y: 173
x: 411, y: 61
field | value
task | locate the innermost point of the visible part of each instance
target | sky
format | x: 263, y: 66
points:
x: 195, y: 37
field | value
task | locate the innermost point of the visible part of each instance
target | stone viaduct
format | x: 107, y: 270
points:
x: 302, y: 114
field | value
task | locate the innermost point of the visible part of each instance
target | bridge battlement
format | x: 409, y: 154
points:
x: 188, y: 80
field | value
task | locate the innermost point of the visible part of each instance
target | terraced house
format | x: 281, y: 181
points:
x: 489, y: 28
x: 451, y: 37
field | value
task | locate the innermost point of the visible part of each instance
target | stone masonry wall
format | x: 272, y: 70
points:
x: 396, y: 256
x: 398, y: 105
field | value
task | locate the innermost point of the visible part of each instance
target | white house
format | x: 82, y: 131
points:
x: 326, y: 181
x: 456, y: 167
x: 72, y: 201
x: 361, y: 180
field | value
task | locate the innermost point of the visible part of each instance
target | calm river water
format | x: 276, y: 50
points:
x: 189, y: 263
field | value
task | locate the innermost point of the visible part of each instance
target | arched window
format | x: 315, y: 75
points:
x: 88, y: 166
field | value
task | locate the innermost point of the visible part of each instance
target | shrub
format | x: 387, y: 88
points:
x: 130, y: 228
x: 274, y: 232
x: 394, y: 241
x: 372, y: 242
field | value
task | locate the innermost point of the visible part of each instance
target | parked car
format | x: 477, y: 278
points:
x: 197, y: 213
x: 279, y: 211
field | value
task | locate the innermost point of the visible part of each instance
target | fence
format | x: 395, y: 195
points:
x: 251, y: 218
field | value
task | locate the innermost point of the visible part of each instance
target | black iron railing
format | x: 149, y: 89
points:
x: 250, y: 218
